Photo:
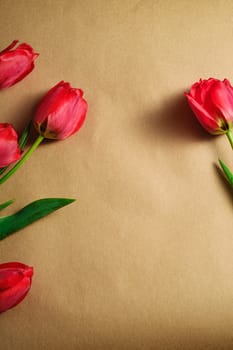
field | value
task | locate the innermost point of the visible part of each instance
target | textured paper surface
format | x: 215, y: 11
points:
x: 143, y: 259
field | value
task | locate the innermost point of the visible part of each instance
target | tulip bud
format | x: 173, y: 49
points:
x: 16, y: 63
x: 212, y: 102
x: 61, y: 112
x: 15, y: 282
x: 9, y: 148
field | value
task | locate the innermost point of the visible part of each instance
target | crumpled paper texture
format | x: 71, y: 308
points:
x: 143, y: 259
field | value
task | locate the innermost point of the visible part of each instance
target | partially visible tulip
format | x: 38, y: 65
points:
x: 15, y: 63
x: 15, y: 282
x: 9, y: 148
x: 61, y: 112
x: 212, y: 102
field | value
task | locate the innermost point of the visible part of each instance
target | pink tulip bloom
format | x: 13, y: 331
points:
x: 15, y: 282
x: 9, y: 148
x: 16, y: 63
x: 212, y: 102
x: 61, y: 112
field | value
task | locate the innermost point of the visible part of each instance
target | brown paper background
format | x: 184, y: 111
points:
x: 143, y: 259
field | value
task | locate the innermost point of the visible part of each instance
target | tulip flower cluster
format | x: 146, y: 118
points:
x: 211, y: 101
x: 60, y: 114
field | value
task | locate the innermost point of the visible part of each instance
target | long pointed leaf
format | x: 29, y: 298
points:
x: 32, y: 212
x: 6, y: 204
x: 227, y: 172
x: 24, y: 137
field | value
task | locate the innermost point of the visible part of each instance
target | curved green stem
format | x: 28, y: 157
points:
x: 22, y: 160
x: 230, y: 137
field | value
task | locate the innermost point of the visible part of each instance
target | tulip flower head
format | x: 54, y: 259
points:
x: 15, y: 282
x: 212, y: 102
x: 16, y: 63
x: 9, y: 148
x: 61, y: 112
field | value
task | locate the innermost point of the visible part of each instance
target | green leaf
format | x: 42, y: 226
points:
x: 32, y: 212
x: 227, y: 172
x: 24, y: 137
x: 6, y: 204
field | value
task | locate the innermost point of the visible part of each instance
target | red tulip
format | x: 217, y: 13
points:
x: 9, y: 148
x: 61, y: 112
x: 16, y: 63
x: 15, y: 282
x: 212, y: 102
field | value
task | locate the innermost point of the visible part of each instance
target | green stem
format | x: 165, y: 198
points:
x: 22, y: 160
x: 230, y: 137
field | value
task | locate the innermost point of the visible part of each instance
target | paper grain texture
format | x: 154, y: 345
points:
x: 143, y: 259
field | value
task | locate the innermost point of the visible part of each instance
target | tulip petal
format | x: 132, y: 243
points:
x: 13, y: 296
x: 222, y: 98
x: 61, y: 122
x: 9, y: 277
x: 9, y: 148
x: 205, y: 119
x: 80, y: 115
x: 205, y: 87
x: 28, y: 270
x: 15, y: 282
x: 200, y: 89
